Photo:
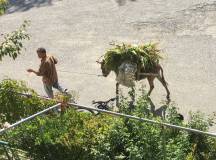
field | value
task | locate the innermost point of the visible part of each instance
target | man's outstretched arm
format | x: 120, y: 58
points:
x: 35, y: 72
x: 41, y: 71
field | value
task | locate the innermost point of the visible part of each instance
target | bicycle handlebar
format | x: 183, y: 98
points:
x: 104, y: 102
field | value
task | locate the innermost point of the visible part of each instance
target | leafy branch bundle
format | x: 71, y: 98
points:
x: 146, y: 55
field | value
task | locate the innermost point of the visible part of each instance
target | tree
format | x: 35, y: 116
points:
x: 13, y: 42
x: 3, y: 6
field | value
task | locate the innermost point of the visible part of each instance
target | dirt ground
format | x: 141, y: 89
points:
x: 77, y: 32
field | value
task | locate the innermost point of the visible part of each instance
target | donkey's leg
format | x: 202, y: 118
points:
x: 132, y: 95
x: 151, y: 84
x: 117, y: 94
x: 165, y: 86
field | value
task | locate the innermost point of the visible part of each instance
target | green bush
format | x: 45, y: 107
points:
x: 80, y: 136
x: 14, y: 105
x: 67, y: 136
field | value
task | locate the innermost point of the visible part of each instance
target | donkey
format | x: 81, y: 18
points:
x: 142, y: 73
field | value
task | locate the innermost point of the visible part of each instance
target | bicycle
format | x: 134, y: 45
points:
x: 103, y: 104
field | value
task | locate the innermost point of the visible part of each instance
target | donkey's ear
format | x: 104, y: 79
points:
x: 99, y: 62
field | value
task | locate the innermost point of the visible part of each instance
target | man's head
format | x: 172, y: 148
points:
x: 41, y: 52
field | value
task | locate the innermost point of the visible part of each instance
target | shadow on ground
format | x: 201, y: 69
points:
x: 123, y: 2
x: 25, y: 5
x: 161, y: 111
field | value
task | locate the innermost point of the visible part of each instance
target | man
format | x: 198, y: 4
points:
x: 48, y: 72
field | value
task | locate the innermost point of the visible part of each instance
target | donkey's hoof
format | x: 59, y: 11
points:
x: 148, y: 96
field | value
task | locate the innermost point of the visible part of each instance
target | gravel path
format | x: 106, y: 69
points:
x: 77, y: 32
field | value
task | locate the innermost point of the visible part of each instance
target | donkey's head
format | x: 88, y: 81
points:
x: 105, y: 70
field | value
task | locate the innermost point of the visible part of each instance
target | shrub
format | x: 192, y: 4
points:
x: 14, y: 105
x: 80, y: 135
x: 67, y: 136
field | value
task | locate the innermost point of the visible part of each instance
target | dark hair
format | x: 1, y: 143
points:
x: 41, y: 50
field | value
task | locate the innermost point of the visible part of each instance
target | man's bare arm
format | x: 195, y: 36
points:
x: 35, y: 72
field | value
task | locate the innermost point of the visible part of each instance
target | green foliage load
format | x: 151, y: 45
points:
x: 3, y: 6
x: 13, y: 42
x: 81, y: 136
x: 146, y: 55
